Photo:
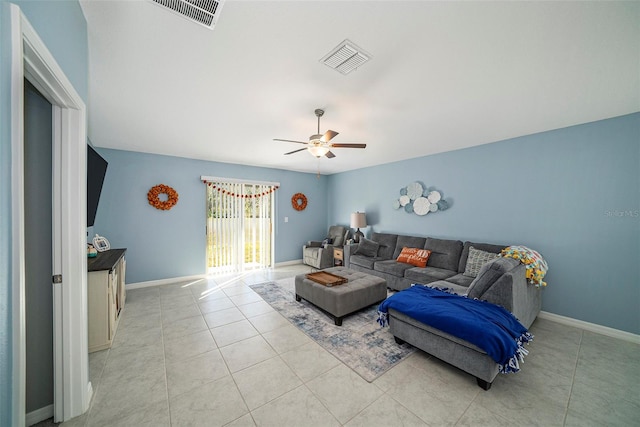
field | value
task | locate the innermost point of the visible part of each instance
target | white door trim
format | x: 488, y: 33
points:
x: 31, y: 59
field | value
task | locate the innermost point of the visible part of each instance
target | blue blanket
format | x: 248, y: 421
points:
x: 488, y: 326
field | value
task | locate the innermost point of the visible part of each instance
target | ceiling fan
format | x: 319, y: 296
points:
x: 319, y: 144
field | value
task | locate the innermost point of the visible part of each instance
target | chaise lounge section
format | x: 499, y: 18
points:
x: 501, y: 281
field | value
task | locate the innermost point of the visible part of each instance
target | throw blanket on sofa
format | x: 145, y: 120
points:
x: 536, y: 265
x: 490, y: 327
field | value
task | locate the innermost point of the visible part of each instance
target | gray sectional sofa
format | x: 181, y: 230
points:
x: 501, y: 281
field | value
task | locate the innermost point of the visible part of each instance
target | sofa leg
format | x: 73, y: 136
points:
x: 337, y: 321
x: 298, y: 298
x: 399, y: 341
x: 485, y: 385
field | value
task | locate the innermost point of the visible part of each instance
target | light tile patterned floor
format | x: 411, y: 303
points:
x: 212, y: 353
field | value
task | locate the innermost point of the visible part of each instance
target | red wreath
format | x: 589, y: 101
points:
x: 299, y: 201
x: 153, y: 196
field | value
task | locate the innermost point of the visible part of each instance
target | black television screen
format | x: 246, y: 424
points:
x: 96, y: 170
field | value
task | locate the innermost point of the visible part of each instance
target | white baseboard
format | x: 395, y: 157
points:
x: 292, y: 262
x: 159, y: 282
x: 34, y: 417
x: 591, y: 327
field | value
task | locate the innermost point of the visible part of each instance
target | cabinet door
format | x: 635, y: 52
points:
x: 122, y: 295
x: 98, y: 309
x: 113, y: 311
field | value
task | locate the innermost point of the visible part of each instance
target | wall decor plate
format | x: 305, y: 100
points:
x: 419, y: 199
x: 414, y: 190
x: 421, y: 206
x: 434, y: 197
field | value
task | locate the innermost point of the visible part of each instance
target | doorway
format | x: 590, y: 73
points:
x: 240, y: 233
x: 31, y: 60
x: 38, y: 242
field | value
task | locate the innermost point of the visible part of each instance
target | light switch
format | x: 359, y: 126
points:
x: 286, y: 219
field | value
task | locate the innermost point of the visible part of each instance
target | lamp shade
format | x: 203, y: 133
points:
x: 358, y: 220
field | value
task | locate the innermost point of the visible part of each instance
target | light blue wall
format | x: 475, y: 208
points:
x: 573, y: 194
x: 166, y: 244
x: 62, y: 27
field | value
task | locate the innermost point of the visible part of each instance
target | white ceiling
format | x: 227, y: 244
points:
x: 444, y: 76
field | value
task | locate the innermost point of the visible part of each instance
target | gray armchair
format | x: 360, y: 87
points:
x: 320, y: 254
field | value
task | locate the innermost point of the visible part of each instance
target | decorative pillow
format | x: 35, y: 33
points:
x: 367, y: 248
x: 476, y: 260
x: 414, y: 256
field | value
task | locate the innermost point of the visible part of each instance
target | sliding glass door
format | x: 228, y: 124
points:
x: 239, y: 225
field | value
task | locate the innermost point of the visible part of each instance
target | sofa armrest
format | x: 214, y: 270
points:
x: 503, y: 282
x: 348, y: 250
x: 313, y: 244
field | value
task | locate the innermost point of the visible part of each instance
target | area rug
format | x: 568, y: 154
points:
x: 360, y: 343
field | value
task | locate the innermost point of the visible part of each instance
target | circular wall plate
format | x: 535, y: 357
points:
x: 434, y: 197
x: 421, y: 206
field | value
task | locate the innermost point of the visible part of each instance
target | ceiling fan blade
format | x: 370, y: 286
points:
x: 328, y: 135
x: 294, y: 151
x: 289, y: 140
x: 348, y: 145
x: 330, y: 155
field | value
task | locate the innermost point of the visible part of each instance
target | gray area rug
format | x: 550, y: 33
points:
x: 360, y: 343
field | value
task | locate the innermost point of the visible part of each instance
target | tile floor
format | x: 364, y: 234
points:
x: 213, y: 353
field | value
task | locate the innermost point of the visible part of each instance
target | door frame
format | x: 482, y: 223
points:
x: 31, y: 59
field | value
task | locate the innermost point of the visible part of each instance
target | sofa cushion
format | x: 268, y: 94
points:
x: 482, y: 246
x: 427, y: 274
x: 408, y: 242
x: 489, y: 274
x: 387, y: 244
x: 414, y: 256
x: 460, y: 280
x: 367, y: 248
x: 364, y: 261
x: 392, y: 267
x: 444, y: 253
x: 476, y: 260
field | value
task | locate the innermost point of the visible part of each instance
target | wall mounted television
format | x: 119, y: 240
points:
x: 96, y: 170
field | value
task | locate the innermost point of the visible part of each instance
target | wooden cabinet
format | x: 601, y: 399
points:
x: 338, y: 256
x: 105, y: 297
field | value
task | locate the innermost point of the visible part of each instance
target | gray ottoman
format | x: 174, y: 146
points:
x: 362, y: 290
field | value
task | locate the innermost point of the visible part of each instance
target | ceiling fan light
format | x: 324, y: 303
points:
x: 318, y: 150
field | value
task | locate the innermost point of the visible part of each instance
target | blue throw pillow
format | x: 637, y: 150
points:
x: 367, y: 248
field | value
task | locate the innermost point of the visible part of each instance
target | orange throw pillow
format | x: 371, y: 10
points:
x: 414, y: 256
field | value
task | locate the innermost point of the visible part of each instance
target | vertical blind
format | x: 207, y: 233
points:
x: 239, y: 224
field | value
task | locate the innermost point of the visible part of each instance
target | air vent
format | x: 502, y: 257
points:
x: 345, y: 57
x: 204, y: 12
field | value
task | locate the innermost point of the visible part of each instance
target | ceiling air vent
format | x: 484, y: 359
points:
x: 345, y: 57
x: 204, y: 12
